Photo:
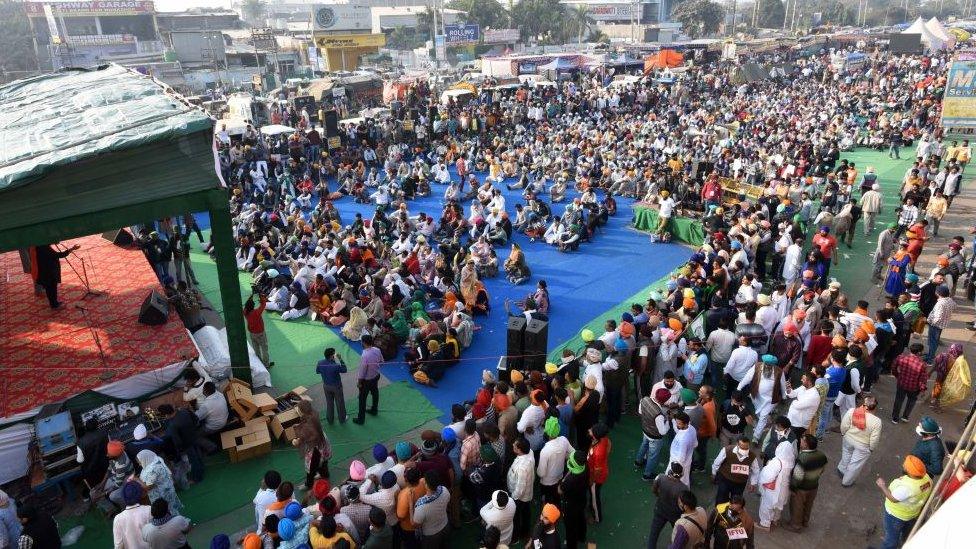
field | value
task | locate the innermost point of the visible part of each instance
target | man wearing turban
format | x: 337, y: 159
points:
x: 904, y: 498
x: 765, y: 384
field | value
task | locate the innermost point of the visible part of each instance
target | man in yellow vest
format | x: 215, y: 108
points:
x: 904, y: 499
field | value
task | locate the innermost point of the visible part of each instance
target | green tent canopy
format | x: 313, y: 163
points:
x: 85, y: 151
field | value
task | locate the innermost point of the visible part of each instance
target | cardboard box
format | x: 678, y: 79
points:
x: 240, y: 399
x: 264, y: 402
x: 250, y: 441
x: 283, y: 424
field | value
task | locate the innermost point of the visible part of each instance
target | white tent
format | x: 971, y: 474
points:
x: 929, y: 40
x: 936, y: 28
x: 951, y: 525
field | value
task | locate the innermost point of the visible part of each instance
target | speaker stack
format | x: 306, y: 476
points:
x: 331, y: 123
x: 119, y: 237
x: 513, y: 349
x: 154, y: 310
x: 528, y: 341
x: 536, y: 344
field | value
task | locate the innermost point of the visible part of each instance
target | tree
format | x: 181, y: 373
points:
x: 581, y: 20
x: 15, y: 41
x: 486, y: 13
x: 771, y: 14
x: 699, y: 17
x: 544, y: 21
x: 941, y: 8
x: 425, y: 23
x: 253, y: 11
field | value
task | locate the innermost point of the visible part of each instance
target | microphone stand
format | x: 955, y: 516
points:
x: 83, y: 275
x: 106, y: 374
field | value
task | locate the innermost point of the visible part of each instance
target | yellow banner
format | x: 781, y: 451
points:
x: 959, y: 108
x: 350, y: 40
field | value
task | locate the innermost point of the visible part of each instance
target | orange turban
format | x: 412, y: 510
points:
x: 688, y: 303
x: 516, y: 376
x: 501, y: 402
x: 115, y: 448
x: 551, y: 512
x: 860, y: 335
x: 626, y: 329
x: 914, y: 466
x: 252, y: 541
x: 675, y: 324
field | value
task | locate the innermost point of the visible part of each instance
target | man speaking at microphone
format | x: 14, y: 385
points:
x: 46, y: 270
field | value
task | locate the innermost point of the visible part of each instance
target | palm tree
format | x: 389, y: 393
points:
x: 582, y: 21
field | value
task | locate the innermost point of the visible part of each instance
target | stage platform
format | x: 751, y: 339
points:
x: 49, y: 355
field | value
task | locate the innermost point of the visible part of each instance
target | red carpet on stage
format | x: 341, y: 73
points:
x: 47, y: 356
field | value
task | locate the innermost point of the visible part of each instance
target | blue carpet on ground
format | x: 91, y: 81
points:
x: 582, y: 285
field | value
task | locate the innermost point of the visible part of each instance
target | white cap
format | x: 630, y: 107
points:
x: 140, y: 432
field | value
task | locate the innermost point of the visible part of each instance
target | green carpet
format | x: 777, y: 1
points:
x: 227, y: 487
x: 296, y: 345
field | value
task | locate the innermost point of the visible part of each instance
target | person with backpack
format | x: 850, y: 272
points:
x: 689, y: 530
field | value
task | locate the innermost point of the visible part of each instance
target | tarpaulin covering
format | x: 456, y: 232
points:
x: 689, y: 231
x: 56, y: 119
x: 77, y: 143
x: 749, y: 72
x: 663, y: 59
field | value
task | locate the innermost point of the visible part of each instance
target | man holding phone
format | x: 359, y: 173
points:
x: 331, y: 369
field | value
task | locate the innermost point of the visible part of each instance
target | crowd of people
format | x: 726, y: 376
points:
x: 753, y: 350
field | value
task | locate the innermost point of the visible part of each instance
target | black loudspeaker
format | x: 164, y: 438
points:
x: 331, y: 123
x: 120, y: 237
x: 536, y: 344
x: 516, y: 342
x: 154, y: 310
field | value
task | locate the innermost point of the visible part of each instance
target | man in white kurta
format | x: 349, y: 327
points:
x: 683, y: 445
x: 770, y: 378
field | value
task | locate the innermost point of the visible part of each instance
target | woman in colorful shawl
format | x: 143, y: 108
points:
x: 158, y: 480
x: 469, y: 283
x: 516, y: 267
x: 353, y: 330
x: 897, y: 268
x: 449, y: 303
x: 944, y: 362
x: 417, y: 311
x: 400, y: 326
x: 314, y: 445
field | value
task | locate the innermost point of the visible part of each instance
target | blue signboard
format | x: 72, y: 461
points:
x: 462, y: 35
x: 959, y: 102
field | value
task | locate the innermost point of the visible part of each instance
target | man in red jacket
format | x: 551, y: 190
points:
x: 598, y: 462
x: 255, y: 327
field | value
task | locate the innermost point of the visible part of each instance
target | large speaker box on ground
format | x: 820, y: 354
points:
x: 536, y: 344
x: 515, y: 343
x: 154, y: 310
x: 120, y: 237
x: 331, y: 123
